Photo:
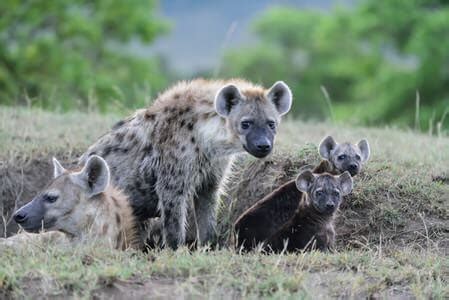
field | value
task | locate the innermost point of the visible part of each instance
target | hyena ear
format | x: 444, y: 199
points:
x: 94, y: 177
x: 304, y: 181
x: 281, y: 95
x: 226, y: 99
x: 345, y: 183
x: 364, y: 149
x: 326, y: 147
x: 58, y: 169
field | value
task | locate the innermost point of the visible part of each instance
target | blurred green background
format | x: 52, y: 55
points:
x: 363, y: 62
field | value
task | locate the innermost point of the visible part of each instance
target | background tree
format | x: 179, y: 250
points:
x: 73, y: 51
x: 371, y: 58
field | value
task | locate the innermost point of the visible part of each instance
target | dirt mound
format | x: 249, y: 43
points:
x: 390, y: 205
x: 387, y: 206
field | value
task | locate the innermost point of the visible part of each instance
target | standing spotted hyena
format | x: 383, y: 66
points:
x: 178, y: 150
x: 80, y: 206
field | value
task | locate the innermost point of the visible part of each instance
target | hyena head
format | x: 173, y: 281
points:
x: 62, y: 205
x: 324, y: 191
x: 253, y: 115
x: 345, y: 156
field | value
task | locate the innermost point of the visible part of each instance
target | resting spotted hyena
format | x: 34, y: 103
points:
x: 269, y: 214
x: 178, y: 150
x: 83, y: 206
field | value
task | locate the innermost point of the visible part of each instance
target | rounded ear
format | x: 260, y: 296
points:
x: 58, y: 169
x: 94, y: 177
x: 304, y: 181
x: 345, y: 183
x: 226, y: 98
x: 281, y: 95
x: 326, y: 146
x: 364, y: 149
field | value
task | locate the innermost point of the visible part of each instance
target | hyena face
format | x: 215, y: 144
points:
x: 62, y: 204
x: 345, y: 156
x: 254, y: 116
x: 324, y: 190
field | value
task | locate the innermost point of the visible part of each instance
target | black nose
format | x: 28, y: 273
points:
x: 263, y: 147
x: 353, y: 167
x: 330, y: 206
x: 20, y: 217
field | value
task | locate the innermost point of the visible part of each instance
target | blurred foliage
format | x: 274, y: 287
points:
x: 371, y: 58
x: 68, y: 54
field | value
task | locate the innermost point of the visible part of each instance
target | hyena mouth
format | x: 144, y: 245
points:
x: 36, y: 227
x: 257, y: 153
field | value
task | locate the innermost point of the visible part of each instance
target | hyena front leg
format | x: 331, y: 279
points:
x: 173, y: 203
x: 205, y: 212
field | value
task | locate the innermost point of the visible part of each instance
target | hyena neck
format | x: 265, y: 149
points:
x: 110, y: 218
x: 325, y: 166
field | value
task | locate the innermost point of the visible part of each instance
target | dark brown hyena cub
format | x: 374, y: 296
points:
x: 269, y: 214
x: 313, y: 223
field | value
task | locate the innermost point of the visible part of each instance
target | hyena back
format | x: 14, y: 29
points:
x: 178, y: 150
x: 83, y: 205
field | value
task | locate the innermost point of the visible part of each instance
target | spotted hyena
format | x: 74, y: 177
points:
x: 312, y: 225
x: 269, y: 214
x: 345, y: 156
x: 176, y: 153
x: 82, y: 205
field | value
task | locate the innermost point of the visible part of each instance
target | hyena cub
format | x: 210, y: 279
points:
x: 269, y: 214
x: 345, y: 156
x: 312, y: 226
x: 83, y: 206
x: 175, y: 154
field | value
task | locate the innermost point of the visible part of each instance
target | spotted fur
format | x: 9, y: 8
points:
x: 176, y: 153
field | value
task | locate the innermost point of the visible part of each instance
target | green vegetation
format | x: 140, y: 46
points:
x: 373, y: 62
x: 87, y: 271
x: 392, y: 230
x: 68, y: 54
x: 371, y: 59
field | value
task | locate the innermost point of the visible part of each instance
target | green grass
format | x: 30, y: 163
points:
x: 393, y: 229
x: 85, y: 270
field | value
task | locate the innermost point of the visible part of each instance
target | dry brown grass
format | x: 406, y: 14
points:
x: 393, y: 230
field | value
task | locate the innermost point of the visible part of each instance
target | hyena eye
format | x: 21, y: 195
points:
x: 341, y: 157
x: 245, y: 124
x: 336, y: 193
x: 50, y: 198
x: 271, y: 124
x: 319, y: 193
x: 357, y: 157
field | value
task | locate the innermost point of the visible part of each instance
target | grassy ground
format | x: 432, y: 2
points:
x: 393, y: 230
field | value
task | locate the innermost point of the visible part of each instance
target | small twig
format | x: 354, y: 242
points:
x: 425, y: 228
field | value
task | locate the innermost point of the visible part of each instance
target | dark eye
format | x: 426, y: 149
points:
x: 341, y: 157
x: 245, y: 124
x: 336, y: 193
x: 50, y: 198
x: 271, y: 124
x: 357, y: 157
x: 319, y: 193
